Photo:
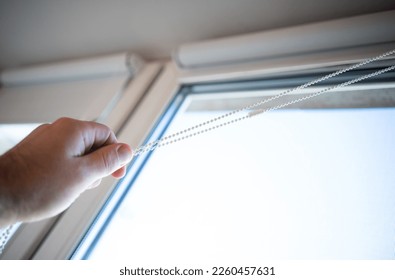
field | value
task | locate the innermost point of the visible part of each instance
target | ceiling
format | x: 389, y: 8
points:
x: 47, y: 30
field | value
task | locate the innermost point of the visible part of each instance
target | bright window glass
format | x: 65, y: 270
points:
x: 301, y: 183
x: 11, y: 134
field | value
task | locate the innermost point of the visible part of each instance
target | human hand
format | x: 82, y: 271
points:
x: 43, y: 174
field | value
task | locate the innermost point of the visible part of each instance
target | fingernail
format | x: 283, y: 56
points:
x: 124, y: 154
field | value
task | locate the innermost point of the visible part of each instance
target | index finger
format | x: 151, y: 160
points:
x: 96, y: 135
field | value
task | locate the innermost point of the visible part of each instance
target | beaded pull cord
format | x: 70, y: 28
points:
x: 226, y: 120
x: 5, y: 233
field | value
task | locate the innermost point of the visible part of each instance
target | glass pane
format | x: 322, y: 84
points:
x: 11, y: 134
x: 290, y: 184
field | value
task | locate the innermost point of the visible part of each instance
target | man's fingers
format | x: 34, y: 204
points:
x: 119, y: 173
x: 108, y: 160
x: 95, y: 184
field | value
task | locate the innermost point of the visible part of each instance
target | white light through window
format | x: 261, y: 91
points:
x: 290, y: 184
x: 11, y: 134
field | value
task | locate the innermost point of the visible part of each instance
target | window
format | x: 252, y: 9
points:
x: 212, y: 79
x: 313, y: 181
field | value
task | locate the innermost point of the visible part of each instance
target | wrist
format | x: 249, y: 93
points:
x: 8, y: 209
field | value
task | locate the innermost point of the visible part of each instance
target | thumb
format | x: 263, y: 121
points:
x: 108, y: 159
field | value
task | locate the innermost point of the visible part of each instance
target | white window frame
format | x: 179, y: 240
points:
x: 68, y: 229
x: 29, y: 237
